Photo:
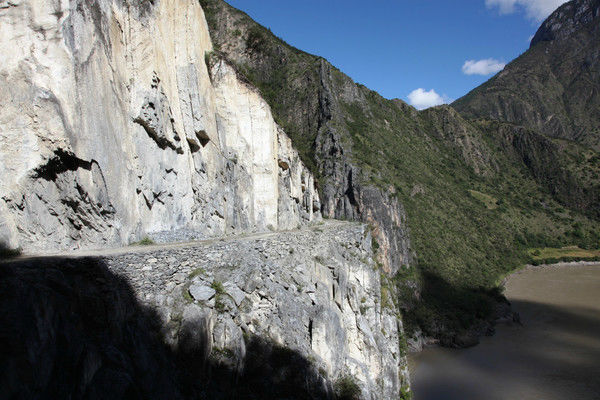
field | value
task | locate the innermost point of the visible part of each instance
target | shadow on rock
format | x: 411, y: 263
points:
x: 71, y: 328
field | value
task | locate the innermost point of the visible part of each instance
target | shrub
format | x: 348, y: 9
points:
x: 219, y: 304
x: 218, y: 287
x: 405, y: 394
x: 374, y: 244
x: 146, y: 241
x: 220, y: 291
x: 197, y: 272
x: 346, y: 388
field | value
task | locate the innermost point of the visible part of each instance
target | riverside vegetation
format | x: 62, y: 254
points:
x: 479, y: 189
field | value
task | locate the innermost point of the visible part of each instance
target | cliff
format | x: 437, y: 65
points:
x: 304, y: 92
x: 118, y: 121
x: 114, y: 127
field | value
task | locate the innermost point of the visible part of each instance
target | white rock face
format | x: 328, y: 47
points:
x: 112, y: 128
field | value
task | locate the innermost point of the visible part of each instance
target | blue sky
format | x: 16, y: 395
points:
x: 397, y: 47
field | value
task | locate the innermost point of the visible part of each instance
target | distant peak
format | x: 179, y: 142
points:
x: 567, y: 19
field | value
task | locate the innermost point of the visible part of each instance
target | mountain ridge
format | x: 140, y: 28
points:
x: 553, y: 87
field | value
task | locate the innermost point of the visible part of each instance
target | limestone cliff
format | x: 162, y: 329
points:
x: 118, y: 121
x: 113, y: 126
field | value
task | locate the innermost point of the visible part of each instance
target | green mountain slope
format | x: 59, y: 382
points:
x: 454, y: 202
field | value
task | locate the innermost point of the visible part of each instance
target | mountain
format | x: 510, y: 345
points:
x: 464, y: 195
x: 554, y: 90
x: 554, y: 87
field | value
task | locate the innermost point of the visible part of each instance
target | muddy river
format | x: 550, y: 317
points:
x: 555, y: 354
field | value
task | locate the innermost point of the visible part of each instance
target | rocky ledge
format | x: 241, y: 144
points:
x: 298, y: 314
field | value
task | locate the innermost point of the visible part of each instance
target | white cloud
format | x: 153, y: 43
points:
x: 482, y: 67
x: 421, y: 98
x: 537, y: 10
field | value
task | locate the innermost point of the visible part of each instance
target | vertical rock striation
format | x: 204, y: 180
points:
x: 316, y: 292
